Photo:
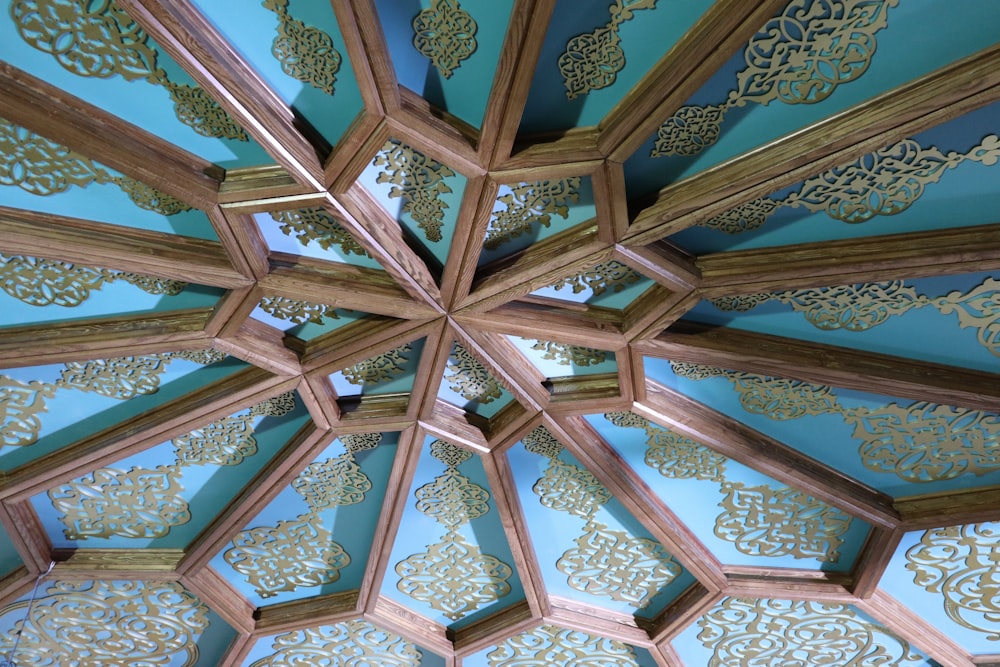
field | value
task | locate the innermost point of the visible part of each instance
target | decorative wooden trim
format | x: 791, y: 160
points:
x: 308, y: 613
x: 437, y: 134
x: 587, y: 394
x: 666, y: 656
x: 245, y: 189
x: 242, y: 240
x: 91, y: 564
x: 548, y: 319
x: 14, y: 584
x: 222, y: 597
x: 578, y: 144
x: 495, y: 628
x: 261, y: 345
x: 950, y: 508
x: 872, y: 561
x: 238, y: 650
x: 458, y: 427
x: 596, y: 620
x: 430, y: 369
x: 390, y: 615
x: 232, y: 310
x: 682, y: 612
x: 467, y: 243
x: 26, y: 533
x: 788, y: 584
x: 320, y: 398
x: 850, y: 368
x: 369, y: 54
x: 670, y: 266
x: 675, y: 307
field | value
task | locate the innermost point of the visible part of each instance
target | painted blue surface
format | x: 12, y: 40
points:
x: 552, y: 368
x: 481, y: 659
x: 609, y: 298
x: 417, y: 532
x: 401, y: 382
x: 265, y: 647
x: 486, y: 409
x: 554, y: 532
x: 281, y: 242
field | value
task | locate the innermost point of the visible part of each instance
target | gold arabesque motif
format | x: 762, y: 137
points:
x: 419, y: 181
x: 673, y: 455
x: 570, y: 355
x: 467, y: 376
x: 612, y: 275
x: 530, y: 203
x: 305, y: 52
x: 317, y: 224
x: 550, y: 645
x: 593, y: 60
x: 800, y: 56
x: 348, y: 643
x: 379, y: 368
x: 297, y: 311
x: 446, y: 34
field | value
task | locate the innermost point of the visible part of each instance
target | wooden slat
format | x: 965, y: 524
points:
x: 576, y: 144
x: 308, y: 613
x: 553, y: 321
x: 597, y: 621
x: 495, y: 628
x: 90, y: 564
x: 393, y: 616
x: 871, y: 563
x: 951, y: 508
x: 507, y: 365
x: 778, y: 584
x: 227, y: 602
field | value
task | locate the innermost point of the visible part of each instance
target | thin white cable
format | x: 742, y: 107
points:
x: 9, y: 662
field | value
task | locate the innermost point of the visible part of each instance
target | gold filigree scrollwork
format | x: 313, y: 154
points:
x: 89, y: 623
x: 549, y: 645
x: 296, y: 311
x: 799, y: 57
x: 470, y: 379
x: 593, y: 60
x: 446, y: 34
x: 122, y: 378
x: 353, y: 642
x: 673, y: 455
x: 305, y: 52
x: 21, y: 404
x: 419, y: 181
x: 763, y: 521
x: 317, y: 224
x: 332, y: 483
x: 530, y: 203
x: 610, y: 275
x: 570, y: 355
x: 960, y: 563
x: 379, y: 368
x: 762, y: 633
x: 96, y: 38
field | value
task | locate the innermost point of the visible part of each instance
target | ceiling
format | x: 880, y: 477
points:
x: 491, y: 333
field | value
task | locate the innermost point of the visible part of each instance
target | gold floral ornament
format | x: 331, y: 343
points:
x: 604, y: 562
x: 885, y: 182
x: 612, y: 275
x: 530, y: 203
x: 593, y: 60
x: 305, y: 52
x: 96, y: 38
x: 89, y: 623
x: 800, y: 56
x: 960, y: 563
x: 296, y: 311
x: 453, y: 576
x: 762, y: 633
x: 43, y: 167
x: 302, y: 552
x: 570, y: 355
x: 419, y: 181
x: 317, y: 224
x: 446, y: 34
x: 549, y: 645
x: 144, y: 503
x: 342, y: 645
x: 467, y: 377
x: 380, y: 368
x: 672, y: 455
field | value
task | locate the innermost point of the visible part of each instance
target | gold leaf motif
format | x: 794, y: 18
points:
x: 418, y: 181
x: 196, y: 109
x: 592, y: 60
x: 342, y: 645
x: 379, y: 368
x: 745, y: 217
x: 358, y: 442
x: 740, y: 303
x: 960, y: 563
x: 296, y: 311
x: 566, y: 487
x: 332, y: 483
x: 446, y: 34
x: 305, y: 52
x: 762, y: 521
x: 317, y: 224
x: 225, y: 442
x: 570, y: 355
x: 799, y: 57
x: 89, y: 623
x: 21, y: 403
x: 452, y: 500
x: 467, y: 377
x: 276, y: 406
x: 549, y: 645
x: 610, y: 275
x: 673, y: 455
x: 764, y: 633
x: 122, y: 378
x: 529, y: 203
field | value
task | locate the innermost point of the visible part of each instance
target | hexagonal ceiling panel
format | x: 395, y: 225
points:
x: 444, y: 333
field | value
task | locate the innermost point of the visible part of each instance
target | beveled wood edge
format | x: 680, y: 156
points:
x: 494, y: 629
x: 451, y: 423
x: 212, y: 589
x: 788, y: 584
x: 369, y: 55
x: 467, y: 243
x: 437, y: 134
x: 328, y: 609
x: 238, y: 650
x: 560, y: 322
x: 949, y: 508
x: 391, y: 615
x: 25, y: 531
x: 242, y: 240
x: 430, y: 369
x: 261, y: 345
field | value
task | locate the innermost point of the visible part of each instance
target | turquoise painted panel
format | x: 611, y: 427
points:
x: 617, y: 60
x: 133, y: 99
x: 10, y: 559
x: 927, y: 332
x: 461, y: 86
x: 430, y: 529
x: 488, y: 396
x: 310, y: 70
x: 351, y: 525
x: 332, y: 244
x: 910, y: 47
x: 556, y: 533
x: 549, y: 643
x: 598, y: 293
x: 390, y: 377
x: 827, y: 436
x: 696, y: 487
x: 307, y: 329
x: 556, y: 360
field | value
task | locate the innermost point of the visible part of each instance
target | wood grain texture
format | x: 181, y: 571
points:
x: 88, y: 564
x: 228, y: 602
x: 312, y: 612
x: 391, y: 615
x: 872, y: 561
x: 596, y: 621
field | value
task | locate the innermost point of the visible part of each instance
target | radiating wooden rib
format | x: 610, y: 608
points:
x: 586, y: 394
x: 261, y: 345
x: 846, y: 261
x: 104, y: 338
x: 156, y: 425
x: 583, y: 441
x: 242, y: 240
x: 46, y: 110
x: 238, y: 650
x: 932, y: 641
x: 764, y: 582
x: 458, y: 427
x: 949, y: 508
x: 682, y: 612
x: 529, y: 21
x: 576, y: 144
x: 25, y: 531
x: 391, y: 615
x: 345, y: 167
x: 675, y: 307
x: 548, y: 319
x: 818, y: 363
x: 195, y: 44
x: 226, y: 601
x: 495, y: 628
x: 754, y: 449
x: 246, y: 187
x: 90, y: 564
x: 320, y: 398
x: 115, y: 247
x: 507, y: 364
x: 467, y: 242
x: 617, y: 215
x: 369, y: 54
x: 940, y: 96
x: 720, y: 32
x: 670, y: 266
x: 311, y: 612
x: 877, y: 551
x: 436, y: 133
x: 597, y: 621
x: 232, y: 310
x: 430, y: 368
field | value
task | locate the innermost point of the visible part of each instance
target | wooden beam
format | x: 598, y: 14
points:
x: 25, y: 531
x: 682, y: 612
x: 261, y: 345
x: 548, y: 319
x: 391, y: 615
x: 222, y: 597
x: 311, y: 612
x: 436, y: 133
x: 247, y: 189
x: 369, y: 54
x: 242, y: 239
x: 851, y: 368
x: 467, y: 242
x: 495, y: 628
x: 949, y: 508
x: 774, y: 583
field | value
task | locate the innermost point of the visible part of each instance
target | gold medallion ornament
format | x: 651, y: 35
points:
x: 91, y: 623
x: 379, y: 368
x: 446, y: 34
x: 419, y: 181
x: 305, y: 52
x: 530, y: 203
x: 800, y: 56
x: 885, y: 182
x: 960, y: 564
x: 296, y: 311
x: 348, y: 644
x: 317, y: 224
x: 96, y: 38
x: 549, y: 645
x: 593, y: 60
x: 467, y: 377
x: 763, y: 633
x: 43, y: 167
x: 673, y: 455
x: 570, y: 355
x: 453, y: 576
x: 612, y: 275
